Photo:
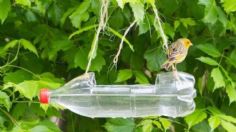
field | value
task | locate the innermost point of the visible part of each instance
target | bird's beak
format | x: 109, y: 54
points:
x: 191, y: 44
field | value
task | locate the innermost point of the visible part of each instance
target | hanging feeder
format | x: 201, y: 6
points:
x: 169, y: 96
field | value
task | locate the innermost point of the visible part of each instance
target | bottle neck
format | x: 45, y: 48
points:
x: 44, y: 96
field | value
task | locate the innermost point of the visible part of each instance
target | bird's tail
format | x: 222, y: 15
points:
x: 166, y: 65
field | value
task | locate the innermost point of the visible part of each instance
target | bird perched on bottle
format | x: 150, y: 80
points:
x: 177, y: 52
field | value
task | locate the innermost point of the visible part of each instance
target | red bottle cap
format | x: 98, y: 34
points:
x: 43, y: 96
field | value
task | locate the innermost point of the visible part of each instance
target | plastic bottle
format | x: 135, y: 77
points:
x: 170, y: 96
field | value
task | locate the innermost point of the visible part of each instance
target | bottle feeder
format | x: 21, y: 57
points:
x: 169, y: 96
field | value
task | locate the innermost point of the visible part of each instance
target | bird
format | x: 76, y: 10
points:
x: 177, y: 52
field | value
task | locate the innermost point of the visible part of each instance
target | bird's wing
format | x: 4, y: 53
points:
x: 175, y: 50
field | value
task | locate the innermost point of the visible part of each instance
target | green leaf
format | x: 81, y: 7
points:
x: 48, y: 76
x: 17, y: 76
x: 42, y: 6
x: 208, y: 61
x: 5, y: 100
x: 222, y: 17
x: 169, y: 30
x: 55, y: 13
x: 214, y: 122
x: 228, y: 126
x: 214, y: 111
x: 187, y: 22
x: 65, y: 15
x: 144, y: 25
x: 81, y: 60
x: 210, y: 11
x: 50, y: 125
x: 8, y: 85
x: 209, y: 49
x: 40, y: 128
x: 10, y: 44
x: 165, y: 123
x: 31, y: 63
x: 151, y: 2
x: 227, y: 118
x: 124, y: 75
x: 138, y: 10
x: 120, y: 125
x: 146, y: 125
x: 196, y: 117
x: 23, y: 42
x: 29, y: 89
x: 69, y: 57
x: 155, y: 58
x: 157, y: 124
x: 213, y: 12
x: 140, y: 77
x: 231, y: 92
x: 176, y: 24
x: 80, y: 14
x: 31, y: 16
x: 83, y: 30
x: 5, y: 6
x: 53, y: 43
x: 118, y: 19
x: 28, y: 45
x: 48, y: 80
x: 44, y: 106
x: 19, y: 110
x: 232, y: 58
x: 2, y: 52
x: 229, y: 5
x: 202, y: 82
x: 23, y: 2
x: 218, y: 78
x: 121, y: 3
x: 3, y: 121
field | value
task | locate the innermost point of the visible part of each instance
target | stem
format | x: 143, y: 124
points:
x: 9, y: 65
x: 14, y: 59
x: 221, y: 57
x: 25, y: 102
x: 10, y: 117
x: 16, y: 56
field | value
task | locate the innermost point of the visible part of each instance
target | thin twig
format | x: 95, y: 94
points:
x: 13, y: 60
x: 26, y: 102
x: 22, y: 68
x: 10, y: 117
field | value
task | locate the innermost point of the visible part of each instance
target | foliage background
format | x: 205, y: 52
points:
x: 36, y: 52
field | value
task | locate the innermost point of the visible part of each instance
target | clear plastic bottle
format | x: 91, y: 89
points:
x: 170, y: 96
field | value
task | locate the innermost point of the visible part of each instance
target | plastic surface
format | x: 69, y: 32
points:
x: 172, y: 95
x: 44, y: 96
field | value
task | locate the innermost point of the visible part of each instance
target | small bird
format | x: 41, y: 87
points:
x: 177, y: 52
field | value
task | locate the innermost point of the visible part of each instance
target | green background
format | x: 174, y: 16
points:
x: 36, y: 51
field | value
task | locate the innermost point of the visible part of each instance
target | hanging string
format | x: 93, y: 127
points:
x: 101, y: 26
x: 164, y: 39
x: 160, y: 29
x: 116, y: 58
